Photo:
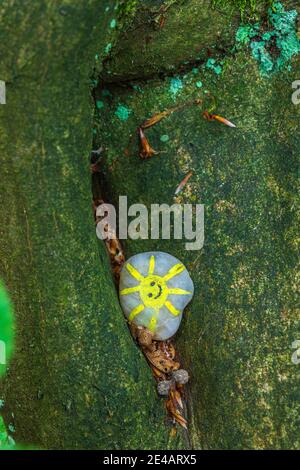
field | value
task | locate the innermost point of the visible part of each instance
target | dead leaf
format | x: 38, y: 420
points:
x: 146, y: 150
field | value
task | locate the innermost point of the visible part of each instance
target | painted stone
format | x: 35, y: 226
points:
x: 155, y: 287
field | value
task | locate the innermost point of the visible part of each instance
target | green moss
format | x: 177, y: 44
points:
x: 126, y: 10
x: 235, y: 337
x: 77, y: 380
x: 243, y: 6
x: 145, y: 47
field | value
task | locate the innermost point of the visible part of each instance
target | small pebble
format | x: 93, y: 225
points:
x: 181, y: 376
x: 163, y: 387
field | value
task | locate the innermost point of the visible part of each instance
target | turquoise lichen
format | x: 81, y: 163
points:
x: 113, y: 23
x: 213, y: 65
x: 260, y: 53
x: 245, y: 33
x: 108, y: 48
x: 122, y: 112
x: 138, y: 88
x: 199, y: 84
x: 175, y: 85
x: 272, y: 49
x: 99, y: 104
x: 164, y: 138
x: 106, y: 93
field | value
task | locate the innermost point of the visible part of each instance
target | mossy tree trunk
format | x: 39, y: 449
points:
x: 237, y: 334
x: 77, y: 379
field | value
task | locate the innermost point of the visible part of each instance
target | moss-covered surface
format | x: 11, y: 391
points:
x: 146, y: 45
x: 245, y: 7
x: 77, y: 379
x: 237, y: 334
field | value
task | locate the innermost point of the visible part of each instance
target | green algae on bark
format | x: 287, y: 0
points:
x: 246, y: 7
x: 77, y: 379
x: 146, y: 47
x: 237, y: 333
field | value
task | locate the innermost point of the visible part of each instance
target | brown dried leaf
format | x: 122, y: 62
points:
x: 162, y: 357
x: 216, y: 117
x: 176, y: 414
x: 225, y: 121
x: 167, y: 349
x: 157, y: 373
x: 183, y: 183
x: 181, y: 420
x: 156, y: 118
x: 144, y: 337
x: 146, y: 150
x: 176, y: 397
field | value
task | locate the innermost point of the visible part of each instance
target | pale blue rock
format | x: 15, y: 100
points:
x: 155, y: 287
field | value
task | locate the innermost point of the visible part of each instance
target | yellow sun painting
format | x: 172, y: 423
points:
x: 154, y: 291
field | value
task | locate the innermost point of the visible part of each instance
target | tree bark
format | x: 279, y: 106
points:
x: 77, y: 379
x: 237, y: 333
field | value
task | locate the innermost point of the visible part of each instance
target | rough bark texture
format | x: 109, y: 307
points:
x: 237, y: 334
x: 159, y: 37
x: 77, y: 379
